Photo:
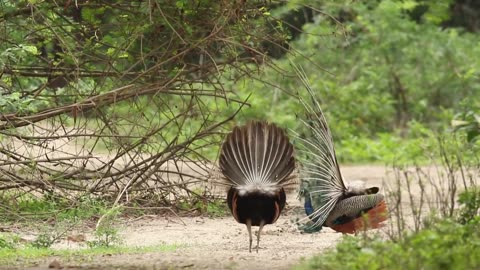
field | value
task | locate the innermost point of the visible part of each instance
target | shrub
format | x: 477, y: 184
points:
x: 445, y: 245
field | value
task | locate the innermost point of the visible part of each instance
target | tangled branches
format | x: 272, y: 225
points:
x: 122, y: 99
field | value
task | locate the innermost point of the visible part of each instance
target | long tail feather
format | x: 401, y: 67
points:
x: 321, y: 172
x: 257, y: 155
x: 328, y: 202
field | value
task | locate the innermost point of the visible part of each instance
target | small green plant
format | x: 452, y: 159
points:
x: 44, y: 240
x: 470, y: 205
x: 106, y: 234
x: 5, y: 244
x: 49, y: 235
x: 9, y: 241
x: 104, y: 237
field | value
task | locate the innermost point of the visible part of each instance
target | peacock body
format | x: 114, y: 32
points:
x: 257, y: 160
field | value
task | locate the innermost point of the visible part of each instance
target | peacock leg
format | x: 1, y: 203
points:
x: 262, y: 223
x: 249, y: 228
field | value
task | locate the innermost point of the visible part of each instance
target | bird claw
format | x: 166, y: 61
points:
x: 256, y: 248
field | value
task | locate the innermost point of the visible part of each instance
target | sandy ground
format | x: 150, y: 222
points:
x: 220, y: 243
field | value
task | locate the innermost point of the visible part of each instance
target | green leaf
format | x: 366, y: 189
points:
x: 409, y: 4
x: 30, y: 49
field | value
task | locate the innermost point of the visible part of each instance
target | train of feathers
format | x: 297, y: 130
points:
x: 259, y: 164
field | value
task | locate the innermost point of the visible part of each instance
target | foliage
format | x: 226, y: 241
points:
x: 117, y: 97
x: 217, y: 208
x: 420, y: 145
x: 382, y: 71
x: 106, y: 234
x: 8, y: 241
x: 48, y: 207
x: 446, y: 245
x: 29, y: 255
x: 385, y: 147
x: 211, y: 208
x: 44, y: 240
x: 470, y: 205
x: 38, y: 213
x: 469, y: 123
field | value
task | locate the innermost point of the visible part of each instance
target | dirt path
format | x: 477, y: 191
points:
x: 221, y: 243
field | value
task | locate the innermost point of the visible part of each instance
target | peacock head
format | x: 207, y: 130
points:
x: 303, y: 192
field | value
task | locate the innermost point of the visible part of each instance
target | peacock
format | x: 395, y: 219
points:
x: 328, y: 201
x: 257, y: 160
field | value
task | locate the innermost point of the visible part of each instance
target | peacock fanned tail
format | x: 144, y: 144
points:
x: 328, y: 202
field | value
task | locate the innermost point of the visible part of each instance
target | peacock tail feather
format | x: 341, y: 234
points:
x: 328, y: 201
x: 319, y: 172
x: 257, y: 156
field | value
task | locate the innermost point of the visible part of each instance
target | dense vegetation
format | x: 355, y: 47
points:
x: 387, y: 79
x: 106, y: 98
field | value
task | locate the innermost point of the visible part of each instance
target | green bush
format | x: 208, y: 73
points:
x: 8, y: 241
x: 470, y: 205
x: 445, y: 245
x: 468, y: 122
x: 106, y: 233
x: 45, y: 239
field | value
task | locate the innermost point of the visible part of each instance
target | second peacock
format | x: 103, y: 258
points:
x: 328, y: 201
